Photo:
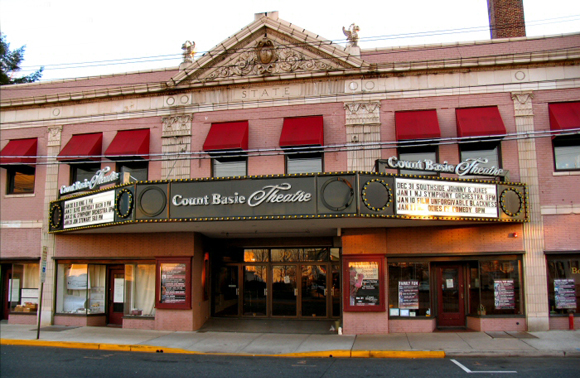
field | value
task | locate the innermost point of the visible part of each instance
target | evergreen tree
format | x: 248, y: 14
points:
x: 10, y: 63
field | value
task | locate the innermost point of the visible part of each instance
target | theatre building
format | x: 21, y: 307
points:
x: 281, y: 176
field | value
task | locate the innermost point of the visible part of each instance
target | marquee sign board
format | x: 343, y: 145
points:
x: 278, y: 197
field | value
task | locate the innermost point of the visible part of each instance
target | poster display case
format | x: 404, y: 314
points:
x: 364, y: 282
x: 173, y: 288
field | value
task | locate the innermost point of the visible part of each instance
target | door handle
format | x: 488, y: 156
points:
x: 325, y: 291
x: 295, y: 292
x: 265, y: 292
x: 237, y: 291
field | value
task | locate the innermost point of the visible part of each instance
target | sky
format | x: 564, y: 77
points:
x: 73, y: 38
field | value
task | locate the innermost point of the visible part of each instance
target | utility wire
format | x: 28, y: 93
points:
x: 335, y: 148
x: 159, y: 58
x: 72, y: 86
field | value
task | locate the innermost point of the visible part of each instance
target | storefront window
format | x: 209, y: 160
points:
x: 81, y: 289
x: 409, y: 293
x: 140, y: 290
x: 563, y: 284
x: 500, y: 287
x: 23, y: 288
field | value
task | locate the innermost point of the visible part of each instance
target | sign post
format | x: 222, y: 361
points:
x: 42, y: 279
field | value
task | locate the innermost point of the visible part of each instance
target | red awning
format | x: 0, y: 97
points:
x: 564, y: 116
x: 17, y: 150
x: 82, y: 147
x: 479, y: 122
x: 129, y: 143
x: 227, y: 136
x: 420, y: 124
x: 302, y: 131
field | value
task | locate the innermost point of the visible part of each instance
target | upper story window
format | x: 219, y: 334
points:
x: 130, y: 148
x: 481, y: 129
x: 83, y: 171
x: 565, y: 125
x: 19, y: 159
x: 417, y: 154
x: 83, y: 153
x: 227, y: 143
x: 416, y: 131
x: 304, y: 163
x: 302, y: 139
x: 489, y: 151
x: 229, y: 166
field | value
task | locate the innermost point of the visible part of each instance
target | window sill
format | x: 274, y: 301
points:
x: 567, y: 173
x: 22, y: 313
x: 29, y: 195
x: 563, y: 315
x: 419, y: 317
x: 497, y: 316
x: 139, y: 317
x: 75, y: 314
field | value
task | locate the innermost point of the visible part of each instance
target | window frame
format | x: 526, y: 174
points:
x: 565, y: 141
x: 11, y: 173
x: 143, y: 164
x: 474, y: 147
x: 304, y: 155
x: 226, y: 158
x: 74, y: 170
x: 413, y: 150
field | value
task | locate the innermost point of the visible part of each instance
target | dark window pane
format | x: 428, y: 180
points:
x: 417, y: 155
x: 229, y: 167
x: 21, y: 181
x: 567, y: 153
x: 80, y: 172
x: 138, y: 171
x: 304, y: 163
x: 481, y: 151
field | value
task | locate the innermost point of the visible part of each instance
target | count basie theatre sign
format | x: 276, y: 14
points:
x: 312, y: 196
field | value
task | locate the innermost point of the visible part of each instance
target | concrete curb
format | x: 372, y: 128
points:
x: 157, y: 349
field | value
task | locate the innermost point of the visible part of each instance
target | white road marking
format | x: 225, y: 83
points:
x: 487, y: 372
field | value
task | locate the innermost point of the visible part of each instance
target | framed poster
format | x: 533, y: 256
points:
x: 364, y: 283
x: 565, y: 293
x: 504, y: 297
x: 173, y: 278
x: 409, y: 295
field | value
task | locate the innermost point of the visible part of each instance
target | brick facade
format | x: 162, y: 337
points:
x: 357, y: 98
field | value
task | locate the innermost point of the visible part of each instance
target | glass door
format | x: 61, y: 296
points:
x: 450, y: 289
x: 284, y: 290
x: 226, y: 291
x: 314, y: 290
x: 116, y: 296
x: 336, y: 293
x: 255, y: 290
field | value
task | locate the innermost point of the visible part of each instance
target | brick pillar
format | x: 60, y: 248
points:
x: 535, y: 276
x: 363, y: 127
x: 48, y: 240
x: 506, y: 18
x: 176, y: 138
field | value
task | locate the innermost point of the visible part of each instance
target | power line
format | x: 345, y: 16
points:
x: 432, y: 33
x: 336, y: 148
x: 49, y: 86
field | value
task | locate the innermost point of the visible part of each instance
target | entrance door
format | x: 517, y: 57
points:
x: 6, y: 281
x: 116, y: 297
x: 255, y: 290
x: 226, y: 291
x: 450, y: 294
x: 284, y: 290
x: 314, y: 290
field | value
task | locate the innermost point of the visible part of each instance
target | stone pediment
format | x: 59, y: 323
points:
x: 269, y: 48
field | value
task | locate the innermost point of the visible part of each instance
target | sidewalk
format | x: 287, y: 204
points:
x: 402, y: 345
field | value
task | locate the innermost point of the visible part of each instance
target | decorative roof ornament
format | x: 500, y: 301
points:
x: 188, y: 48
x: 267, y: 58
x: 351, y: 34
